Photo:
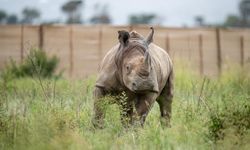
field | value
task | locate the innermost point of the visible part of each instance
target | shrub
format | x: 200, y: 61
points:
x: 237, y: 119
x: 37, y: 63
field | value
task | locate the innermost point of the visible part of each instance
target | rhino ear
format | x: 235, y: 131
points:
x: 123, y: 37
x: 149, y: 39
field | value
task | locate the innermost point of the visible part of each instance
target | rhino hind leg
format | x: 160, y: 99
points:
x: 165, y: 101
x: 98, y: 117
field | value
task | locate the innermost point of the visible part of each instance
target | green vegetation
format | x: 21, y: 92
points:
x: 36, y: 64
x: 56, y: 114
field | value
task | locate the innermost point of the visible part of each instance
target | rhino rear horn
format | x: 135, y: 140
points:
x: 150, y: 36
x: 123, y: 37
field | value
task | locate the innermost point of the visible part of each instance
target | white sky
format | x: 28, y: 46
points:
x: 174, y: 12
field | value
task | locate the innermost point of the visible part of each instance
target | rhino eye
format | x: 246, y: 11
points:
x: 128, y: 69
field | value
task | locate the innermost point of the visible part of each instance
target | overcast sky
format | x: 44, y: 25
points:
x: 173, y: 12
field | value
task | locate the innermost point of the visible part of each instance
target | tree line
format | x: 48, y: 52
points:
x: 242, y: 19
x: 73, y: 12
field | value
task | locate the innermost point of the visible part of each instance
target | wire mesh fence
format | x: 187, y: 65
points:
x: 207, y: 51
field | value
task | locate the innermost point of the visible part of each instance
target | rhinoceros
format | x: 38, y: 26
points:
x: 140, y: 69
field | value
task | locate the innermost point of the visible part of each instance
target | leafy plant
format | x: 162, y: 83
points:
x: 37, y: 63
x: 235, y: 118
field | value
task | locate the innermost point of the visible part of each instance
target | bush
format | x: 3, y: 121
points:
x: 234, y: 118
x: 231, y: 107
x: 37, y: 63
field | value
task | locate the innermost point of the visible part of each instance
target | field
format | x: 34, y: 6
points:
x: 56, y: 114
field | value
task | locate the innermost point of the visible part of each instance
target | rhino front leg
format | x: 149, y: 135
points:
x: 98, y: 117
x: 143, y: 105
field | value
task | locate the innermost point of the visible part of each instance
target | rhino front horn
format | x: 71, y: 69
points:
x: 150, y: 36
x: 147, y: 60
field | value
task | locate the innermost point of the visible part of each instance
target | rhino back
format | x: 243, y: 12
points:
x: 162, y: 64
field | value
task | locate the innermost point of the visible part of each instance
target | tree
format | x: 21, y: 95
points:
x: 142, y: 18
x: 245, y: 12
x: 29, y: 15
x: 72, y: 9
x: 242, y: 20
x: 3, y: 15
x: 50, y: 22
x: 12, y: 19
x: 232, y: 21
x: 199, y: 20
x: 101, y: 16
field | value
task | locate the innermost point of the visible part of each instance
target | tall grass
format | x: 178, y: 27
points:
x: 207, y: 114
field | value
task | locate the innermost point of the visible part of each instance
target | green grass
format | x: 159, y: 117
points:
x: 207, y: 114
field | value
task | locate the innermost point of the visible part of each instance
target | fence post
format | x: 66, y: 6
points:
x: 218, y: 41
x: 201, y: 54
x: 242, y: 50
x: 71, y: 47
x: 189, y: 47
x: 100, y: 43
x: 167, y: 42
x: 41, y: 36
x: 22, y: 44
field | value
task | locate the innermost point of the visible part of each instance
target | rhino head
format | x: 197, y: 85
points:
x: 134, y: 62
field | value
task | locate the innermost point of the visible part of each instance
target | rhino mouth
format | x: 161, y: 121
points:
x: 145, y: 91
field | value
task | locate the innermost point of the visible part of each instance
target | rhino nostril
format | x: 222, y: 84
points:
x: 134, y: 84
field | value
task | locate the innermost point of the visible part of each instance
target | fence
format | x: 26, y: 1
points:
x: 81, y: 48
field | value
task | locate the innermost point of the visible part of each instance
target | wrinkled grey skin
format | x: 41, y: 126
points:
x: 143, y: 71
